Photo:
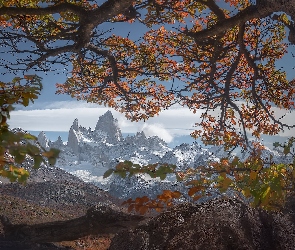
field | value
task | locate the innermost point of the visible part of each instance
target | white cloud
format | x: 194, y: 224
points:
x: 55, y: 119
x: 59, y: 116
x: 157, y: 130
x: 170, y: 125
x: 71, y: 105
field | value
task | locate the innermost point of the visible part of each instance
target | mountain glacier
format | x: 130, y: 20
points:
x: 88, y: 154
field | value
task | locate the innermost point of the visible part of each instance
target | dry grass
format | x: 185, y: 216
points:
x: 89, y: 243
x: 21, y: 211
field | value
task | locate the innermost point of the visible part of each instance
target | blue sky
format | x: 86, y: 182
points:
x: 55, y: 113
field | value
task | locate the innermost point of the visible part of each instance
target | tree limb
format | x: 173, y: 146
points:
x: 222, y: 26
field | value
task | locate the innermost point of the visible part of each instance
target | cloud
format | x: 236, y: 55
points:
x: 171, y: 125
x: 157, y: 130
x: 71, y: 105
x: 55, y: 119
x: 59, y: 116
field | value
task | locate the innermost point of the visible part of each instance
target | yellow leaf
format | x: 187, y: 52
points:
x: 265, y: 196
x: 253, y: 175
x: 246, y: 192
x: 225, y: 183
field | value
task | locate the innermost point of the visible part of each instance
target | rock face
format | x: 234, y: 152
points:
x: 73, y: 141
x: 44, y: 141
x: 99, y: 219
x: 106, y: 123
x: 218, y: 224
x: 57, y: 144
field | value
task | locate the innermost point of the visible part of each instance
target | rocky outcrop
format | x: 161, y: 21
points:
x: 100, y: 219
x: 44, y: 141
x: 58, y: 144
x: 73, y: 141
x: 218, y: 224
x: 107, y: 124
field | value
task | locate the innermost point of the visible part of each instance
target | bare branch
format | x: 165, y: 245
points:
x: 224, y: 25
x: 61, y: 7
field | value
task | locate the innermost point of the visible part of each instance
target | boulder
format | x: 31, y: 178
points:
x: 99, y: 219
x: 221, y: 223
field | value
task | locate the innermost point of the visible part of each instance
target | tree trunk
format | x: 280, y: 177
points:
x: 98, y: 220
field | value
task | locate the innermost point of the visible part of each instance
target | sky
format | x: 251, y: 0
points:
x: 54, y: 114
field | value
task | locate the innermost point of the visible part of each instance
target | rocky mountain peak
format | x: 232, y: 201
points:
x: 140, y: 135
x: 44, y: 141
x: 75, y: 124
x: 58, y: 143
x: 107, y: 124
x: 73, y: 138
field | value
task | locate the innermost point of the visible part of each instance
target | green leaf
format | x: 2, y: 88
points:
x: 26, y: 101
x: 128, y: 164
x: 235, y: 161
x: 19, y: 157
x: 108, y: 173
x: 286, y: 150
x: 37, y: 161
x: 30, y: 137
x: 122, y: 174
x: 225, y: 184
x: 16, y: 79
x: 32, y: 150
x: 52, y: 160
x: 52, y: 153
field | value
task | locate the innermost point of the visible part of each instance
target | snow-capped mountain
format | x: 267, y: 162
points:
x: 88, y: 154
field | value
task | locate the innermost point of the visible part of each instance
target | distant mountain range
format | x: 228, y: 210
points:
x: 89, y: 153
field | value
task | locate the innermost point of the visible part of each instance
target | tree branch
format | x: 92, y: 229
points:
x: 61, y: 7
x: 222, y: 26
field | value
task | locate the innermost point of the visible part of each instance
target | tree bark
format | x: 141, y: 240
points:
x: 98, y: 220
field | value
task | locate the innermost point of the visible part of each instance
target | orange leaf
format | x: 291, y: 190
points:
x: 158, y: 209
x: 176, y: 194
x: 130, y: 208
x: 143, y: 209
x: 197, y: 197
x: 193, y: 190
x: 129, y: 201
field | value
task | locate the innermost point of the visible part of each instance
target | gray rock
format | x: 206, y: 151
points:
x: 109, y: 125
x: 217, y: 224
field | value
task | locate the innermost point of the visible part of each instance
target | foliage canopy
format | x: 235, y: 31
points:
x: 15, y: 146
x: 220, y: 57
